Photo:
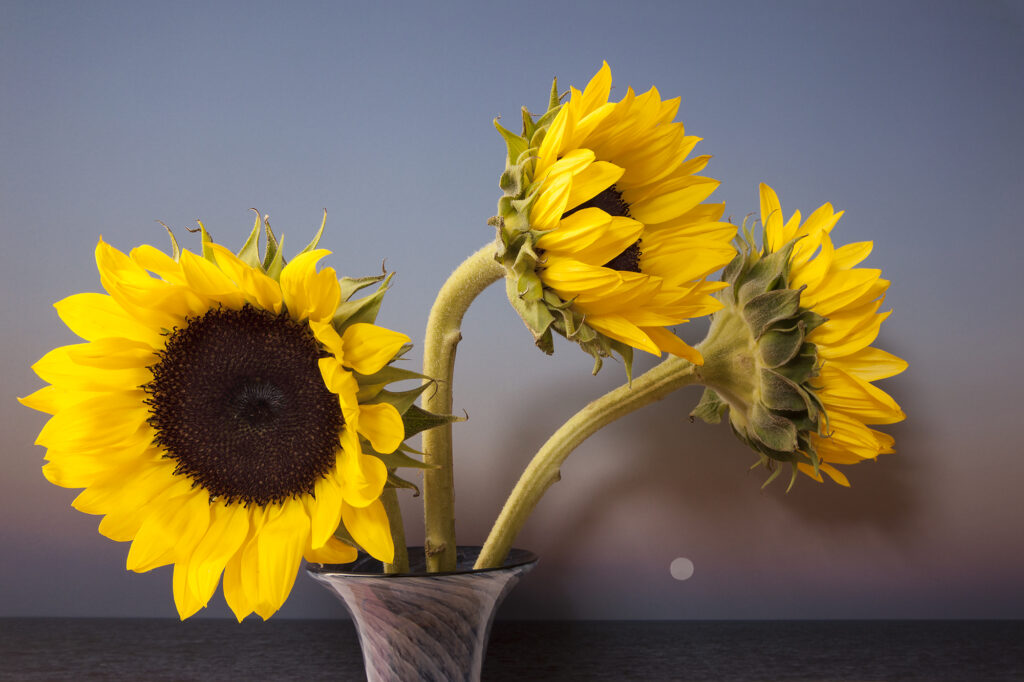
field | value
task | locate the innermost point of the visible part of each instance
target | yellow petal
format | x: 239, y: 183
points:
x: 360, y: 476
x: 229, y: 525
x: 185, y: 601
x: 670, y: 343
x: 98, y: 316
x: 324, y: 509
x: 368, y: 348
x: 369, y: 527
x: 259, y: 289
x: 334, y: 551
x: 174, y: 523
x: 382, y: 425
x: 872, y: 364
x: 571, y: 276
x: 576, y: 231
x: 106, y: 419
x: 672, y: 204
x: 771, y: 218
x: 547, y: 210
x: 59, y: 367
x: 234, y: 593
x: 308, y: 293
x: 281, y: 542
x: 208, y: 280
x: 618, y: 328
x: 591, y: 181
x: 597, y: 91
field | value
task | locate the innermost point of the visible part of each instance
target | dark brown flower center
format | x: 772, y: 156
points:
x: 237, y: 399
x: 611, y: 202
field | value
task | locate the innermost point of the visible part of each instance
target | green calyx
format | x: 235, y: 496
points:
x: 758, y: 365
x: 541, y: 309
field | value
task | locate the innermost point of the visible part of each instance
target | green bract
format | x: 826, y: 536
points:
x: 759, y: 366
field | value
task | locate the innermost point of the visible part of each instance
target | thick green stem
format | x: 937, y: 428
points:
x: 544, y: 470
x: 401, y: 561
x: 442, y: 337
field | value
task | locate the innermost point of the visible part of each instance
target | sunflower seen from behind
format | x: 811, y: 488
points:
x: 789, y: 357
x: 227, y: 415
x: 603, y: 229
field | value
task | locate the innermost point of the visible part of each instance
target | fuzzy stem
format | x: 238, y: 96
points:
x: 389, y: 497
x: 544, y: 469
x: 442, y: 337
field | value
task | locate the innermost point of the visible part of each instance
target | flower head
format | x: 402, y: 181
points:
x: 226, y: 414
x: 789, y: 357
x: 602, y: 229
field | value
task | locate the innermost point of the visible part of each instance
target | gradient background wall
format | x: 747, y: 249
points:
x: 905, y: 114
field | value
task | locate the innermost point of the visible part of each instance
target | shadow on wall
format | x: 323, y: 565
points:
x: 656, y: 459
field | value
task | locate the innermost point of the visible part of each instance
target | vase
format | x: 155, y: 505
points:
x: 419, y: 625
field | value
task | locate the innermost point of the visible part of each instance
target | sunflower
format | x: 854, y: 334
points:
x: 802, y: 317
x: 223, y: 416
x: 603, y: 231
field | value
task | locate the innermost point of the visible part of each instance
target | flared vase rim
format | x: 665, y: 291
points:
x: 517, y: 558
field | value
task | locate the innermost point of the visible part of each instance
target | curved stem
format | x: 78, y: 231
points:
x: 442, y: 337
x: 544, y: 470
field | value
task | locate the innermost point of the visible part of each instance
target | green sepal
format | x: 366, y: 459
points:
x: 765, y: 309
x: 516, y: 144
x: 710, y: 409
x: 553, y: 99
x: 400, y: 400
x: 362, y: 309
x: 779, y: 393
x: 316, y: 238
x: 777, y: 347
x: 803, y: 366
x: 175, y: 249
x: 350, y: 285
x: 396, y: 481
x: 778, y: 434
x: 546, y: 120
x: 207, y: 241
x: 531, y: 309
x: 766, y: 274
x: 397, y: 459
x: 250, y: 251
x: 341, y: 533
x: 273, y: 259
x: 387, y: 375
x: 811, y: 320
x: 416, y: 419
